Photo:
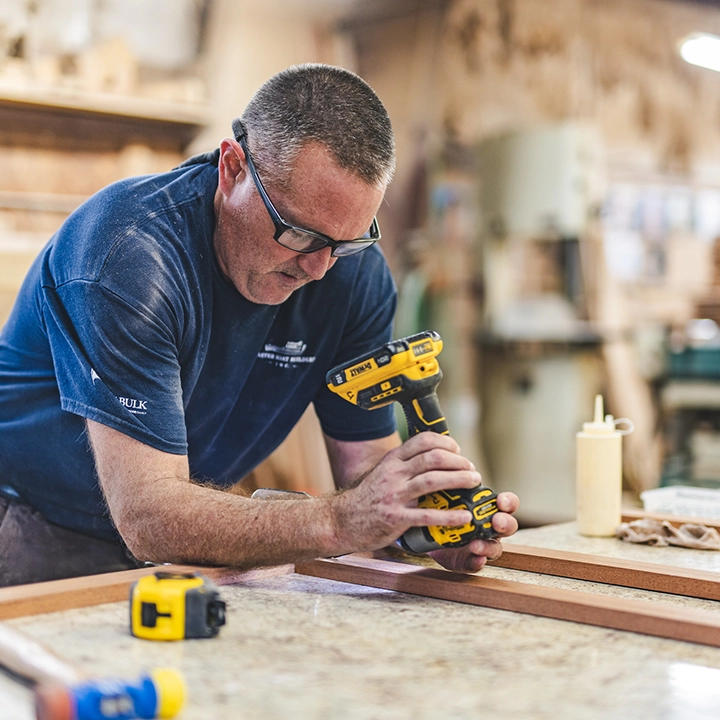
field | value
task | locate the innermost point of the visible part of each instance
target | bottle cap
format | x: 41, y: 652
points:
x: 600, y: 425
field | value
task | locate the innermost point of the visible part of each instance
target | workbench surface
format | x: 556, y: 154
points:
x: 296, y: 647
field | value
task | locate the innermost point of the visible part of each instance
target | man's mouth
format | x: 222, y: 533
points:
x: 291, y: 278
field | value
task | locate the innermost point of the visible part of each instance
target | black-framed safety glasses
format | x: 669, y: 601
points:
x: 297, y: 238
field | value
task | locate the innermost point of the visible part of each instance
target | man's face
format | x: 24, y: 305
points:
x: 321, y: 196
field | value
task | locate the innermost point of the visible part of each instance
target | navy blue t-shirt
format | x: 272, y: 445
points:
x: 126, y: 319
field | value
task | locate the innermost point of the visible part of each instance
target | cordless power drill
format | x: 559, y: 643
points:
x: 407, y: 371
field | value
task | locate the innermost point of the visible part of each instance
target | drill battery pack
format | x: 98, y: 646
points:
x: 480, y: 501
x: 168, y: 606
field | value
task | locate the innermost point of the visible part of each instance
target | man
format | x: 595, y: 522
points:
x: 175, y: 329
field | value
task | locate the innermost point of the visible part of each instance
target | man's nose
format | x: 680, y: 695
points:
x: 318, y: 263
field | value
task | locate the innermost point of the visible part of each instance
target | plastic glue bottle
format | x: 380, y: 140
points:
x: 599, y: 473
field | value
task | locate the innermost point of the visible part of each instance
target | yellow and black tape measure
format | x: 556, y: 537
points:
x: 167, y: 606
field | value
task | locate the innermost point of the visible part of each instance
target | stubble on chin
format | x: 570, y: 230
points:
x: 267, y: 289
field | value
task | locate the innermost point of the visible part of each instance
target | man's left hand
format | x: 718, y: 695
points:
x: 474, y: 555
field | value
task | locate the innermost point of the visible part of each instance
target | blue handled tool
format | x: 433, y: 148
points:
x: 63, y: 692
x: 159, y: 694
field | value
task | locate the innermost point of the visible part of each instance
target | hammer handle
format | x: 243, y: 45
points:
x: 29, y: 659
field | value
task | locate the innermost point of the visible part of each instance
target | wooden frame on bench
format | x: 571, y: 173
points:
x: 640, y: 616
x: 611, y: 571
x: 89, y: 590
x: 662, y: 620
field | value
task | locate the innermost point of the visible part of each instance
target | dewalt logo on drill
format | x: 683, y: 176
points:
x: 354, y: 372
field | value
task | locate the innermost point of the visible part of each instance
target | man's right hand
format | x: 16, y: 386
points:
x: 375, y: 512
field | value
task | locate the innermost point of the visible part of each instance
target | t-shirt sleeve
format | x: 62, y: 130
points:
x: 369, y: 324
x: 116, y: 362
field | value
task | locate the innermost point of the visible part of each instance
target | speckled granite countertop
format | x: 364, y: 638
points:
x: 302, y: 648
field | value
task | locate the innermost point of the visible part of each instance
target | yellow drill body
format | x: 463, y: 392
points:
x: 407, y: 371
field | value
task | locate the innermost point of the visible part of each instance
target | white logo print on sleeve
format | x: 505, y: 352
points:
x: 137, y: 407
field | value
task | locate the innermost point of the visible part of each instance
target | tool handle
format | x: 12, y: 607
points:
x: 158, y: 694
x: 423, y: 414
x: 29, y: 659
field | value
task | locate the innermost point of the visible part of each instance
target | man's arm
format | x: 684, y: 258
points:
x: 164, y: 517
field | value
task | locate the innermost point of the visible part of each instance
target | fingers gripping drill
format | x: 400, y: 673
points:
x: 407, y: 371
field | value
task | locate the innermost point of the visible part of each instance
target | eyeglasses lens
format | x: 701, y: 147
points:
x: 352, y: 248
x: 305, y: 242
x: 300, y: 241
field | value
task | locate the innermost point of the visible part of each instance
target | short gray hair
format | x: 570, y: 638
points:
x: 324, y: 104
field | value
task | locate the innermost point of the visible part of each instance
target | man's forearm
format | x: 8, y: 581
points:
x: 163, y: 517
x: 188, y: 523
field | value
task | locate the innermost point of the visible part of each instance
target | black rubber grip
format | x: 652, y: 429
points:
x: 423, y: 414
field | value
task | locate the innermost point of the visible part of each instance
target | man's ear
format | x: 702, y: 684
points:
x: 231, y: 166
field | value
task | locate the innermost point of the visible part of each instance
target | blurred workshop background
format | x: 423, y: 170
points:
x: 555, y: 213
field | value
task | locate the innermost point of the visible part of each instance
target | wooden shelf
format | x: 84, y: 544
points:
x: 61, y: 118
x: 40, y: 202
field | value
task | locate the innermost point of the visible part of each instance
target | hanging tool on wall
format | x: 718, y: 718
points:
x: 407, y: 371
x: 63, y: 692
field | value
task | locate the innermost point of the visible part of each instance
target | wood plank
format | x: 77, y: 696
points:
x: 674, y: 520
x: 611, y: 571
x: 89, y: 590
x: 95, y: 127
x: 62, y: 203
x: 648, y: 618
x: 79, y: 102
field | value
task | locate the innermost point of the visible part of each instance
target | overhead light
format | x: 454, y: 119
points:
x: 701, y: 49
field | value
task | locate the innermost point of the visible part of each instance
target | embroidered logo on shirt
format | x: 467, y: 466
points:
x: 287, y: 356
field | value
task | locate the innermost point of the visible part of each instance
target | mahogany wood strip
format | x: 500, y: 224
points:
x: 648, y: 618
x: 674, y: 520
x: 56, y: 595
x: 612, y: 571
